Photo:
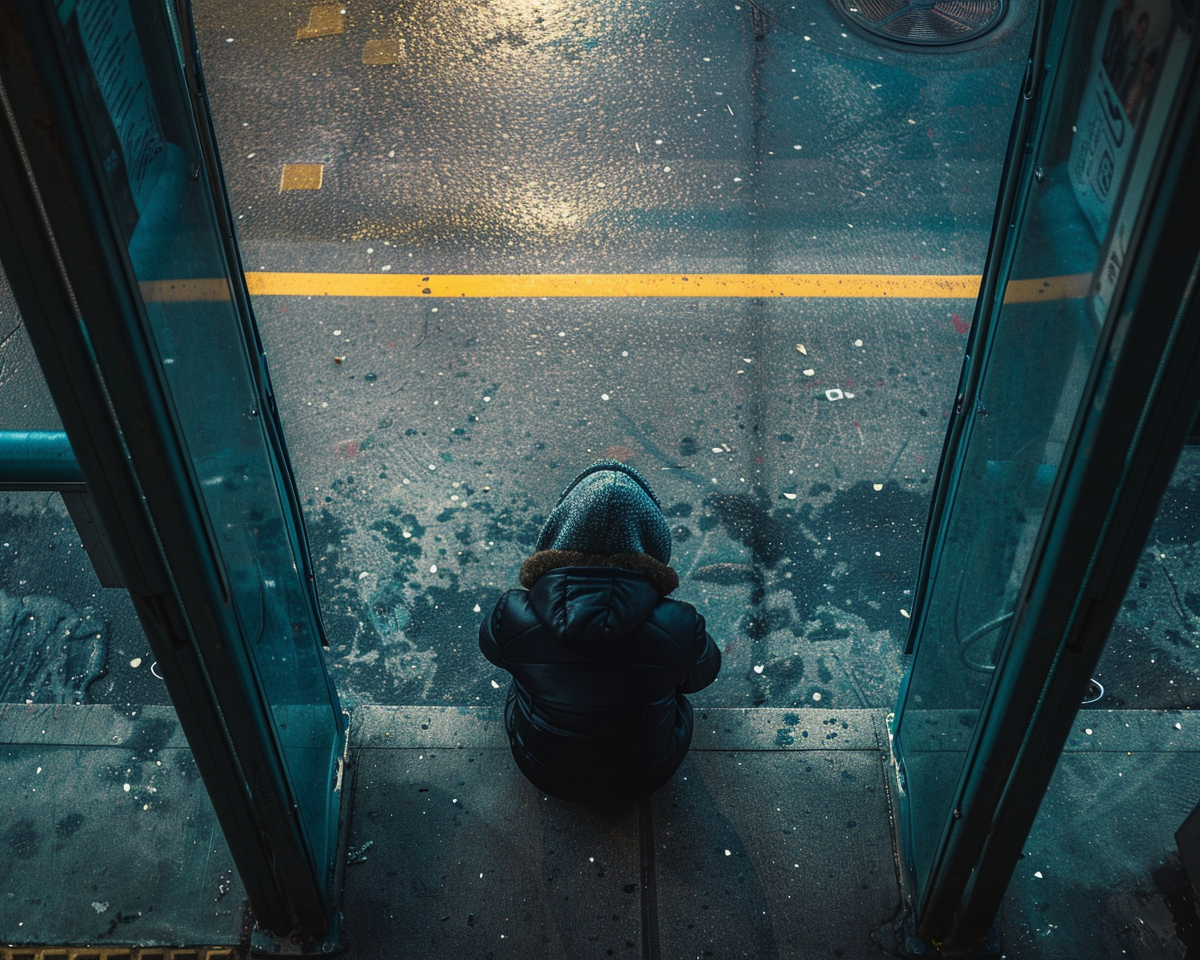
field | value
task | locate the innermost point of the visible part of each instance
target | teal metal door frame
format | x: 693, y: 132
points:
x: 67, y: 245
x: 1138, y: 403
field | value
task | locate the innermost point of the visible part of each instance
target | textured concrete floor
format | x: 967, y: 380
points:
x: 509, y: 139
x: 773, y: 841
x: 722, y: 862
x: 108, y: 835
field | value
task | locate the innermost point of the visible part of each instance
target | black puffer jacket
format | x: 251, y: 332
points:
x: 601, y: 660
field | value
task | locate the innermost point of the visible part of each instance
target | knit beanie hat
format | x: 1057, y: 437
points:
x: 608, y: 509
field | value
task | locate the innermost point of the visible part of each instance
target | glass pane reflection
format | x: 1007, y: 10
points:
x: 1113, y: 85
x: 142, y: 126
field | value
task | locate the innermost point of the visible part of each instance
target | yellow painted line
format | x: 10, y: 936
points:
x: 1069, y: 287
x: 185, y: 291
x: 117, y: 952
x: 792, y: 285
x: 611, y: 285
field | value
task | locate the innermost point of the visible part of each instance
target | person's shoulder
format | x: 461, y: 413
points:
x: 515, y: 608
x: 674, y: 616
x: 515, y: 599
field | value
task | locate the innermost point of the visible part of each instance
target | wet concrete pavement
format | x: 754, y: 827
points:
x: 793, y: 443
x: 607, y: 136
x: 434, y: 432
x: 598, y: 138
x: 772, y: 841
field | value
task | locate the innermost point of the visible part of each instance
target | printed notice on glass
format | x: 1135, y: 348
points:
x: 1126, y: 61
x: 110, y: 41
x: 1137, y: 60
x: 1154, y: 122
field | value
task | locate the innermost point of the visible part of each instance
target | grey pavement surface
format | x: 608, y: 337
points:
x: 26, y: 401
x: 1151, y: 657
x: 606, y: 138
x: 799, y: 537
x: 1100, y: 874
x: 517, y: 138
x: 595, y: 137
x: 773, y: 841
x: 108, y: 835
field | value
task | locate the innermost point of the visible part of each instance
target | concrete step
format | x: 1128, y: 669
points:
x: 775, y: 839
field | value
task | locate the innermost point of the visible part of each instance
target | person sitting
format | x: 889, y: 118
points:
x: 601, y: 658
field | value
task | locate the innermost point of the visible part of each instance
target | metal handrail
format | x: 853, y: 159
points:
x: 38, y: 460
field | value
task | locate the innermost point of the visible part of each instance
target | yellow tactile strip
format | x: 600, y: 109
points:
x: 122, y: 953
x: 818, y: 285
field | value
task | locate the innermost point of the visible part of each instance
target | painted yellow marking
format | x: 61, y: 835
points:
x: 606, y: 285
x: 820, y: 285
x: 612, y: 285
x: 185, y: 291
x: 301, y: 176
x: 382, y: 52
x: 1071, y: 286
x: 324, y: 21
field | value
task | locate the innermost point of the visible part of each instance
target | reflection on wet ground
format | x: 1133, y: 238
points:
x: 792, y: 440
x: 607, y: 137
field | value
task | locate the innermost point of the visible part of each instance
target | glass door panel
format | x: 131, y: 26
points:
x: 150, y: 350
x: 132, y: 70
x: 1112, y: 74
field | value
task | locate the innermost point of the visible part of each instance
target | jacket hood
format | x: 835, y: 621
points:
x: 590, y: 607
x: 661, y: 577
x: 608, y: 509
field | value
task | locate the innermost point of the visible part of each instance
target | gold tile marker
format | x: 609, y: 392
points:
x: 301, y: 176
x: 382, y: 52
x: 324, y: 21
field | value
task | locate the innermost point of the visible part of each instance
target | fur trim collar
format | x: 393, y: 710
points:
x: 661, y: 577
